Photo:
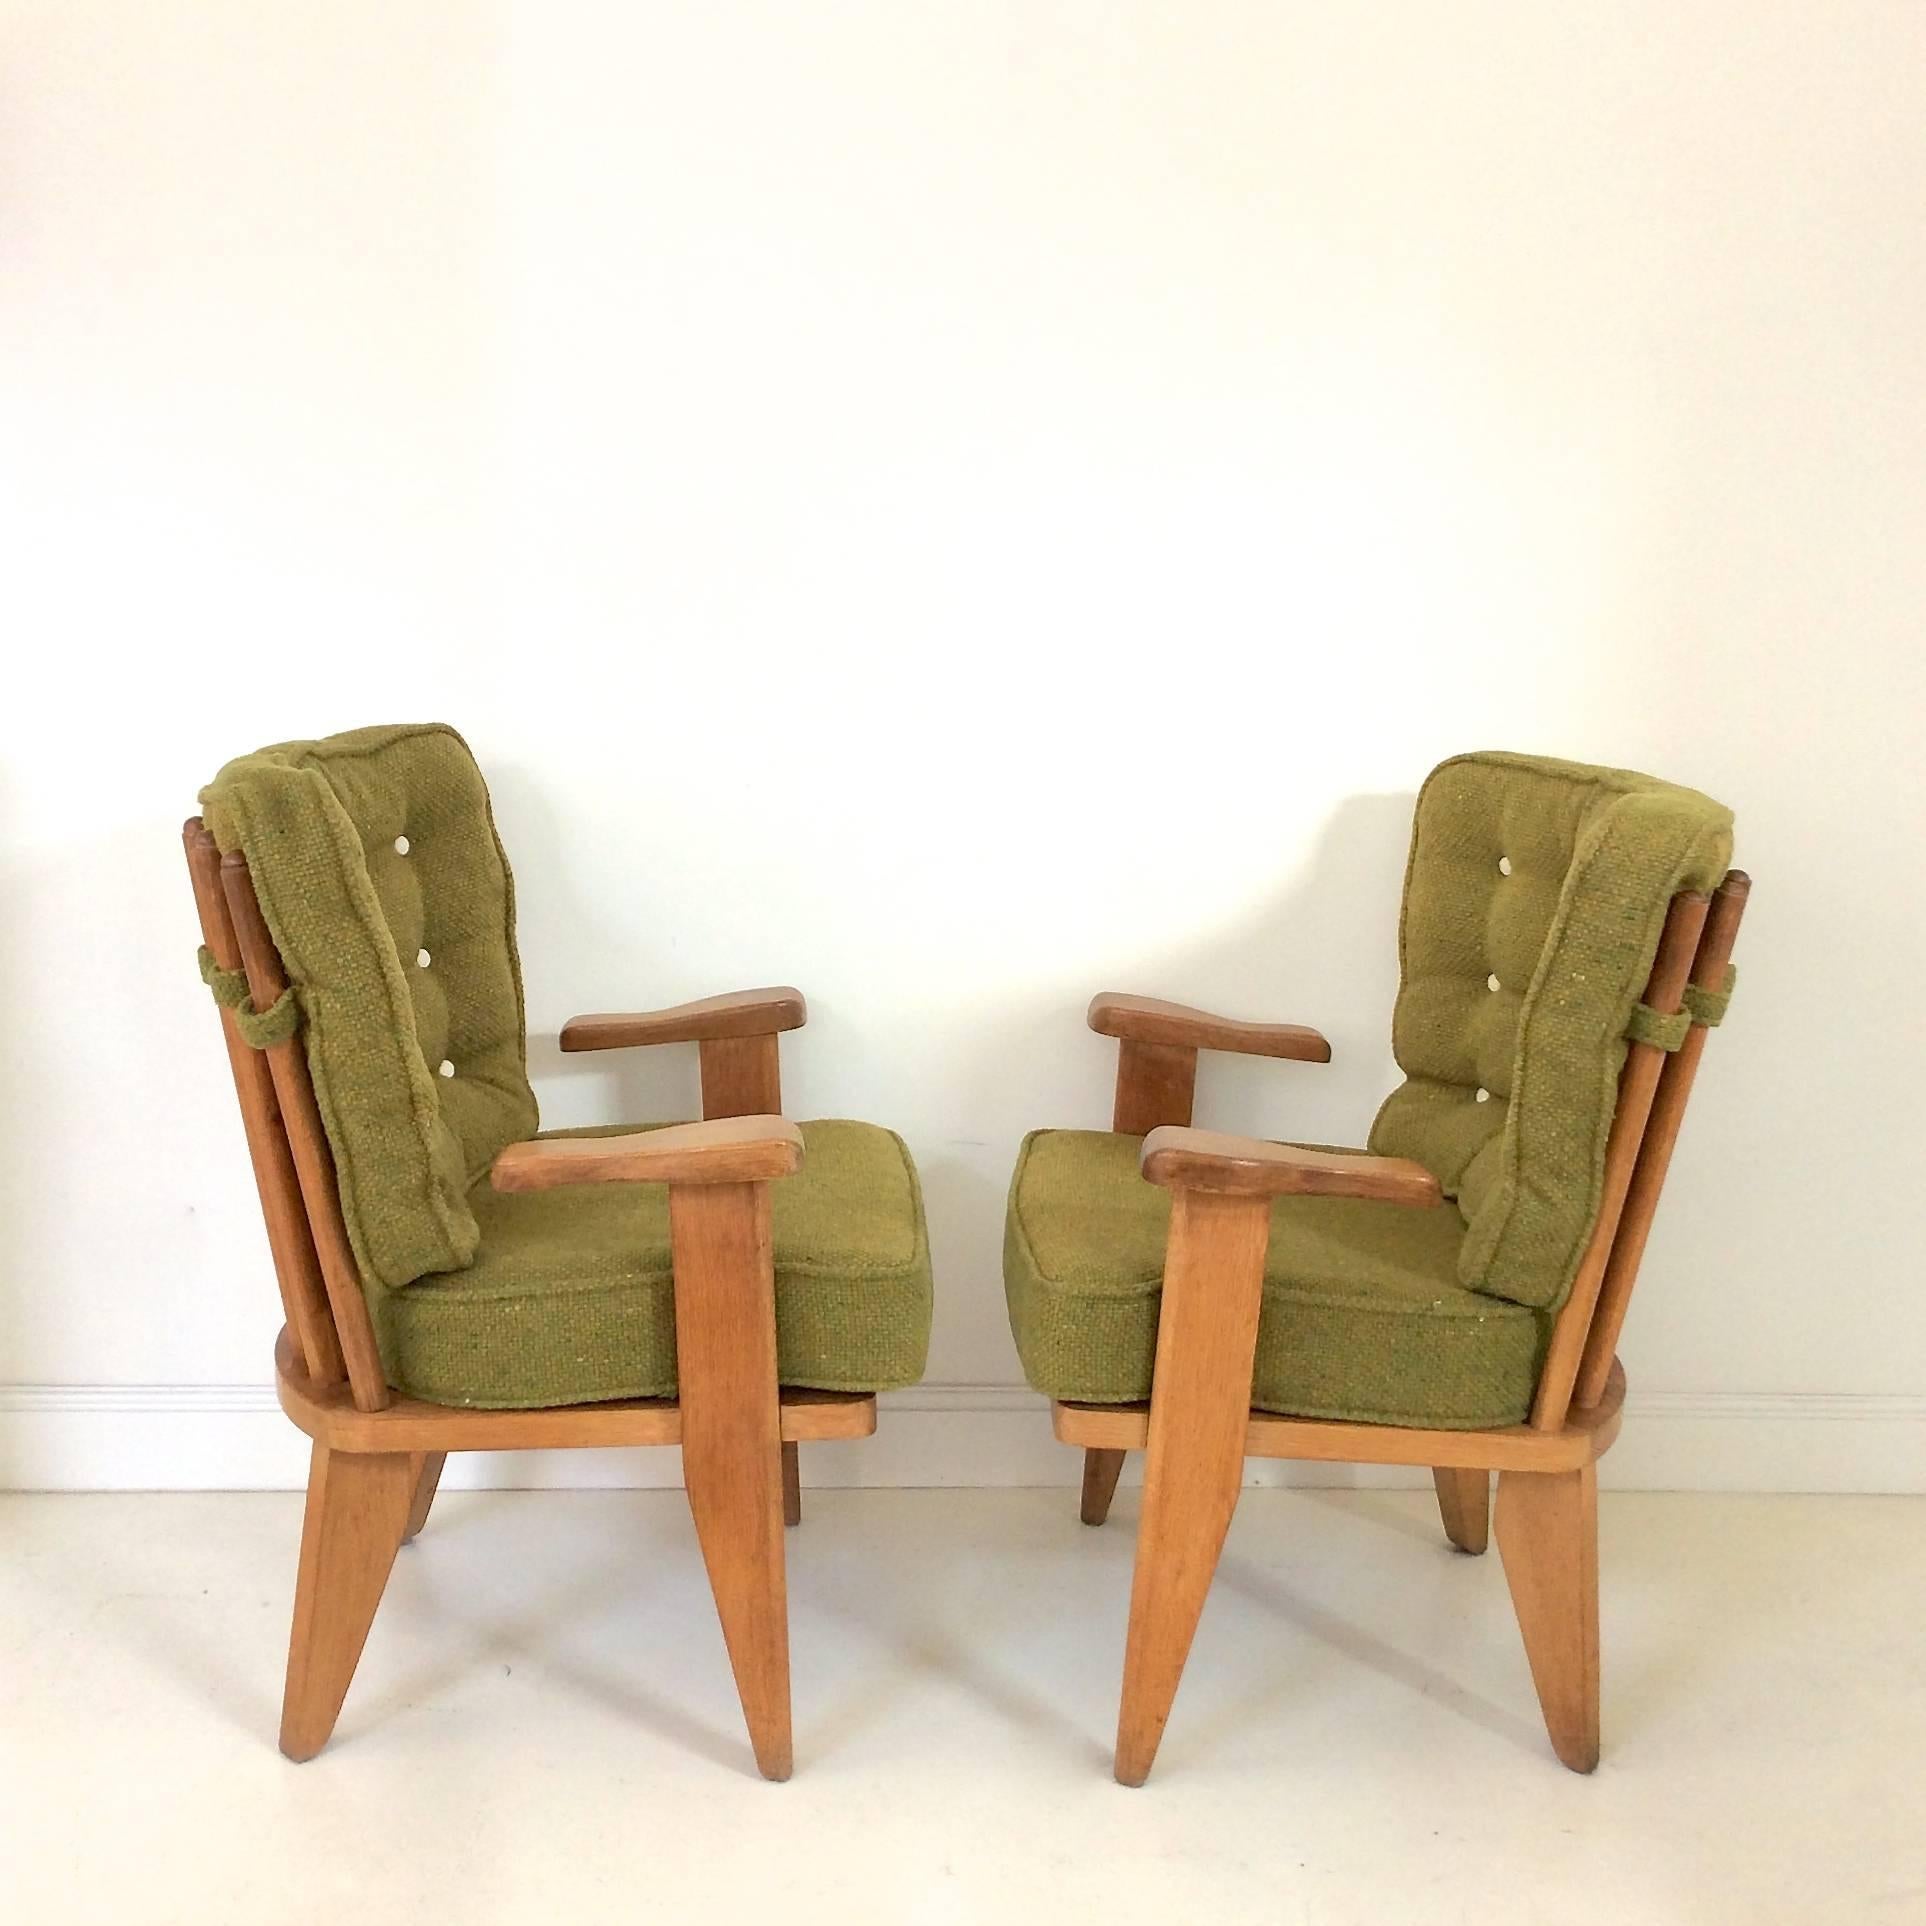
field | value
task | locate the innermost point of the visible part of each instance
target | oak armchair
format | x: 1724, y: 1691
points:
x: 1452, y: 1295
x: 452, y: 1278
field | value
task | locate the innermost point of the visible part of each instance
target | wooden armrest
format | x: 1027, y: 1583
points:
x: 742, y: 1013
x: 1183, y: 1159
x: 1149, y: 1019
x: 725, y: 1150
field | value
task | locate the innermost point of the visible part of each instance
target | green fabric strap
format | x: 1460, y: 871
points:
x: 1708, y: 1006
x: 1648, y: 1025
x: 260, y: 1029
x: 1702, y: 1006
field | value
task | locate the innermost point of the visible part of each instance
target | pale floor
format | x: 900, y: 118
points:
x: 543, y: 1727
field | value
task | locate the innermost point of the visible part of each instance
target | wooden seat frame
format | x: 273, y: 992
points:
x: 377, y: 1457
x: 1198, y: 1426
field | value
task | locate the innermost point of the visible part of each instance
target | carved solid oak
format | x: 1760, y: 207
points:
x: 725, y: 1150
x: 741, y: 1013
x: 378, y: 1456
x: 1182, y: 1159
x: 1198, y: 1426
x: 1206, y: 1341
x: 1149, y: 1019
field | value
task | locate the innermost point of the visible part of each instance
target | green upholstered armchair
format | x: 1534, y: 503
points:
x: 452, y: 1278
x: 1450, y: 1296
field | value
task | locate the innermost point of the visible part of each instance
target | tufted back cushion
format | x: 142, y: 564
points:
x: 375, y: 858
x: 1533, y: 902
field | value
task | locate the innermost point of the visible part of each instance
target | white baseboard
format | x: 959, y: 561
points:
x: 157, y: 1437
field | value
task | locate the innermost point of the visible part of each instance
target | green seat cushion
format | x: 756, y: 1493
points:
x: 375, y: 859
x: 570, y: 1296
x: 1534, y: 897
x: 1363, y: 1315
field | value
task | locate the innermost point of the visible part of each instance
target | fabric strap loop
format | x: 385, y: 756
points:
x: 259, y: 1029
x: 1708, y: 1006
x: 1663, y: 1032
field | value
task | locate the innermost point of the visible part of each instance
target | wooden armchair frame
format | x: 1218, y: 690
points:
x: 1198, y: 1426
x: 377, y: 1456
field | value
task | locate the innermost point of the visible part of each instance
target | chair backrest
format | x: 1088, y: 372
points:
x: 1690, y: 983
x: 374, y: 860
x: 1536, y: 895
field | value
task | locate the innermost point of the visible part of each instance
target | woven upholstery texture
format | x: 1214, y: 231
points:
x: 571, y: 1297
x: 1534, y: 897
x: 379, y: 872
x: 1535, y: 893
x: 1363, y: 1316
x: 352, y: 911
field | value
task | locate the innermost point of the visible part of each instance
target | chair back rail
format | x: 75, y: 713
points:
x: 1637, y: 1085
x: 308, y: 1141
x: 321, y: 1283
x: 297, y: 1267
x: 1676, y: 1078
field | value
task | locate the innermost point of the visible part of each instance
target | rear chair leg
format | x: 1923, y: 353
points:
x: 428, y: 1466
x: 1464, y: 1502
x: 358, y: 1506
x: 1101, y: 1470
x: 791, y: 1486
x: 1547, y: 1527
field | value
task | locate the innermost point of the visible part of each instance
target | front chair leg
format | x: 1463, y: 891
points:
x: 1101, y: 1470
x: 1464, y: 1502
x: 1547, y: 1527
x: 358, y: 1506
x: 732, y: 1457
x: 1194, y: 1463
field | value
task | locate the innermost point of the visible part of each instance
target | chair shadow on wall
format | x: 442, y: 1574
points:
x: 631, y: 1086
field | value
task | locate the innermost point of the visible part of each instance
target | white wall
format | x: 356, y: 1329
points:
x: 957, y: 507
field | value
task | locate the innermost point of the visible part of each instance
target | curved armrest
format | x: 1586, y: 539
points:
x: 1149, y: 1019
x: 742, y: 1013
x: 1185, y: 1159
x: 725, y: 1150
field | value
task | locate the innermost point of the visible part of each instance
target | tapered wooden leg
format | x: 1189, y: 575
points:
x: 358, y: 1505
x: 791, y: 1486
x: 1464, y: 1502
x: 1101, y: 1470
x: 428, y: 1466
x: 725, y: 1335
x: 1547, y: 1527
x: 1194, y: 1460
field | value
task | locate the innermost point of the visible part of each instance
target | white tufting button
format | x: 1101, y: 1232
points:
x: 421, y: 959
x: 1491, y: 982
x: 401, y: 845
x: 1504, y: 865
x: 1484, y: 1095
x: 447, y: 1068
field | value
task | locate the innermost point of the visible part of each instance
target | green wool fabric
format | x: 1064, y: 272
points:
x: 379, y: 872
x: 1709, y: 1006
x: 1550, y: 881
x: 369, y: 850
x: 1662, y: 1030
x: 260, y: 1029
x: 1363, y: 1316
x: 571, y: 1296
x: 1534, y: 897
